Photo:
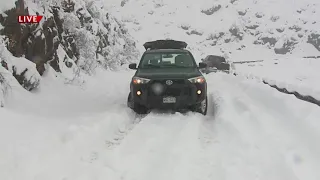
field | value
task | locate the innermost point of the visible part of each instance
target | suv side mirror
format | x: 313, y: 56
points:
x: 202, y: 65
x: 133, y: 66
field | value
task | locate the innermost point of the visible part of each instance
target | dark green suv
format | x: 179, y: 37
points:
x: 167, y: 77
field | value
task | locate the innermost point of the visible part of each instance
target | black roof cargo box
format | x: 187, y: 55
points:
x: 165, y: 44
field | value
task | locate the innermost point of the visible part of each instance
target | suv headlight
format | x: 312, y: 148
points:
x: 138, y: 80
x: 199, y: 79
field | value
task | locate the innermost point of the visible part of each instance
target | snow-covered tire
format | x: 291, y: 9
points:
x: 202, y: 107
x: 137, y: 108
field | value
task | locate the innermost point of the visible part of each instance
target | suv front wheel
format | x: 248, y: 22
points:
x: 201, y: 107
x: 137, y: 108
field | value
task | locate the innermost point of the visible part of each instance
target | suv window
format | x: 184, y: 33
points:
x: 157, y: 60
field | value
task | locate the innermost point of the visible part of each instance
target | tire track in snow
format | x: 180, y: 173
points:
x: 123, y: 131
x: 161, y: 147
x: 207, y: 135
x: 166, y: 146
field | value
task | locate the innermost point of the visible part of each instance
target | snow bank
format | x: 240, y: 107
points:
x: 291, y: 76
x: 294, y: 74
x: 61, y: 131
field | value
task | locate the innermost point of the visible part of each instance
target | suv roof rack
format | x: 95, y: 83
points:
x: 165, y: 44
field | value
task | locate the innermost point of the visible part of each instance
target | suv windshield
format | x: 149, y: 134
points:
x: 165, y: 59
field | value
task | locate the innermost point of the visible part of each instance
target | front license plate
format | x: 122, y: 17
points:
x: 169, y: 100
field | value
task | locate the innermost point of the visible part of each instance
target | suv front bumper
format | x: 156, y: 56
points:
x: 185, y: 94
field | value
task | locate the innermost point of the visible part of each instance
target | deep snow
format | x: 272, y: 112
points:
x: 67, y: 132
x: 86, y: 132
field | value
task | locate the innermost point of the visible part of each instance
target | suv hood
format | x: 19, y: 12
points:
x: 161, y: 73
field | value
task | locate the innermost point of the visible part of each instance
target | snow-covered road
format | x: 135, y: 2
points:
x: 252, y: 132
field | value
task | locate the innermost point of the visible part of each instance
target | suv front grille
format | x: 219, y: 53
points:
x: 177, y: 88
x: 175, y: 82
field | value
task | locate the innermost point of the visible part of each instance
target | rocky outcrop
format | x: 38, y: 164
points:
x: 285, y: 46
x: 37, y: 43
x: 72, y: 35
x: 211, y: 10
x: 2, y: 90
x: 314, y: 39
x: 271, y: 41
x: 251, y: 23
x: 22, y: 69
x: 236, y: 32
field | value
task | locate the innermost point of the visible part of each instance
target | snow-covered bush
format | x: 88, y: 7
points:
x: 215, y: 36
x: 185, y: 26
x: 285, y: 45
x: 259, y: 15
x: 87, y: 44
x: 3, y: 89
x: 195, y: 32
x: 266, y: 39
x: 242, y: 12
x: 314, y: 39
x: 274, y: 18
x: 211, y: 10
x: 236, y: 31
x: 101, y: 38
x: 4, y: 84
x: 124, y: 2
x: 22, y: 69
x: 158, y: 3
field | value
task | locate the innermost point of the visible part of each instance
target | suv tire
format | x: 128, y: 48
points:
x: 137, y: 108
x: 202, y: 107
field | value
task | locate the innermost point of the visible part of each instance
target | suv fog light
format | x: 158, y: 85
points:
x: 199, y: 92
x: 138, y: 93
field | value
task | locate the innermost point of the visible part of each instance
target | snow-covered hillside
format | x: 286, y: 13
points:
x: 235, y: 28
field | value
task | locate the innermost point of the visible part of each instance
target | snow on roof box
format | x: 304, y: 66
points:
x: 165, y: 44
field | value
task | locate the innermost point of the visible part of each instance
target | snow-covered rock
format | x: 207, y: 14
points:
x: 22, y: 69
x: 3, y: 87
